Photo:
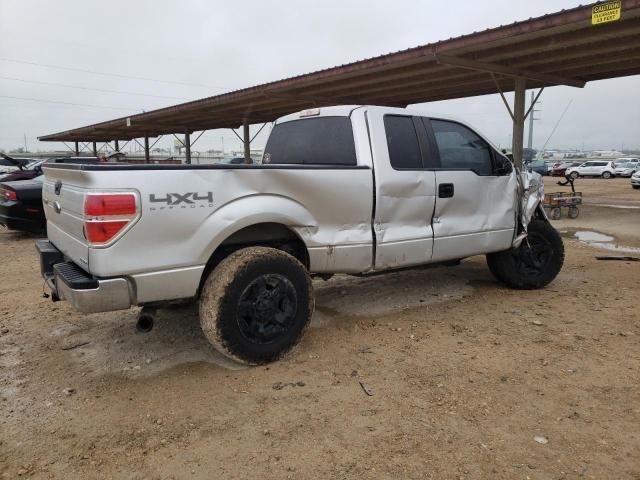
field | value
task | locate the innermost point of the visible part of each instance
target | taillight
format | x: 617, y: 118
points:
x: 106, y: 215
x: 8, y: 194
x: 109, y: 205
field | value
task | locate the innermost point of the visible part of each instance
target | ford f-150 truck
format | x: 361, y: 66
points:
x: 346, y: 189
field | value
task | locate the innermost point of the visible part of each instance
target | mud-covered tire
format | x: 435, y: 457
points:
x: 256, y: 304
x: 535, y: 263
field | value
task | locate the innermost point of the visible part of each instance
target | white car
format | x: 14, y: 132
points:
x: 625, y: 167
x: 593, y: 168
x: 635, y: 180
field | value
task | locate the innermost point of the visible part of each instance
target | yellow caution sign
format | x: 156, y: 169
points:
x: 605, y: 12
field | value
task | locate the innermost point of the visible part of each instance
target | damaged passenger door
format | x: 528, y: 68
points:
x: 476, y: 193
x: 404, y: 191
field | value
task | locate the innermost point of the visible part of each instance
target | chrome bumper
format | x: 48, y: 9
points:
x: 111, y: 294
x: 85, y: 292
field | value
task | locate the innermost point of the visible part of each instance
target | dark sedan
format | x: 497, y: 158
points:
x: 21, y: 206
x: 560, y: 170
x: 538, y: 166
x: 24, y: 172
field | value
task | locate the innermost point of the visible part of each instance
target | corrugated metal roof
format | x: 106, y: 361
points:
x: 558, y: 48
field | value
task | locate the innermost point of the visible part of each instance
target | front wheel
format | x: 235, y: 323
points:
x: 574, y: 175
x: 535, y: 263
x: 635, y: 186
x: 256, y: 304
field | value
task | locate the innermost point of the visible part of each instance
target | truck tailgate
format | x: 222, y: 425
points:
x: 63, y: 199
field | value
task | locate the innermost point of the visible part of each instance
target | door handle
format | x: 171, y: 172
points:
x: 445, y: 190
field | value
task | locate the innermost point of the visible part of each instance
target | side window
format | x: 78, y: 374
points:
x: 461, y: 149
x: 312, y: 141
x: 402, y: 141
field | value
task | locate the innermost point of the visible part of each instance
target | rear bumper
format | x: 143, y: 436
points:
x: 87, y: 294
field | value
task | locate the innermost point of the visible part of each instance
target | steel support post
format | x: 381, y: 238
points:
x: 77, y: 150
x: 187, y: 147
x: 117, y: 145
x: 518, y: 121
x: 95, y: 149
x: 246, y: 141
x: 146, y: 150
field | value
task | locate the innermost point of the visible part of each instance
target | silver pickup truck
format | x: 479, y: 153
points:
x: 348, y: 189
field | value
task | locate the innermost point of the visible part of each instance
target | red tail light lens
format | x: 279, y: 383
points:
x: 8, y: 194
x: 102, y: 232
x: 110, y: 204
x: 107, y: 215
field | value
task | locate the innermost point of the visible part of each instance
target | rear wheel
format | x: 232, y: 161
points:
x: 256, y: 304
x: 535, y: 263
x: 555, y: 213
x: 573, y: 212
x: 606, y: 174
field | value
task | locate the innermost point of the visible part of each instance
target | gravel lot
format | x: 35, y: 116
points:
x: 468, y: 379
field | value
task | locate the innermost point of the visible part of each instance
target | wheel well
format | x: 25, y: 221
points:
x: 274, y: 235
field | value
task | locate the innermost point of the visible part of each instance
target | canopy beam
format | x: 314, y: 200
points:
x: 546, y: 78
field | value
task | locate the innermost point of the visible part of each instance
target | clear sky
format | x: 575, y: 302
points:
x: 162, y: 52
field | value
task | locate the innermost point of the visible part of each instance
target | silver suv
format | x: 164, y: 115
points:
x: 593, y: 168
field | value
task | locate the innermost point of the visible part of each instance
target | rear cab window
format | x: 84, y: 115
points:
x: 402, y: 142
x: 312, y: 141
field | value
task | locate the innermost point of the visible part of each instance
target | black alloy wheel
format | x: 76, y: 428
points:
x: 267, y: 308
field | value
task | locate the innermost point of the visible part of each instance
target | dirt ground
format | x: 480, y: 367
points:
x: 464, y: 375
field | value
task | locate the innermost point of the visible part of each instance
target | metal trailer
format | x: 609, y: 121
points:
x: 554, y: 202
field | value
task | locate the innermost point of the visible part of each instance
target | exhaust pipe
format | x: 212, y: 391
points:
x: 146, y: 319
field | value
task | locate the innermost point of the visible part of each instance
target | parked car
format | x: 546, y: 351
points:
x: 635, y: 180
x: 625, y: 167
x: 538, y: 166
x: 10, y: 164
x: 234, y: 161
x: 21, y: 205
x: 561, y: 169
x: 356, y: 190
x: 31, y: 170
x: 593, y: 168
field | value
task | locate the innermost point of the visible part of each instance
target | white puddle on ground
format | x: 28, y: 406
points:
x: 605, y: 242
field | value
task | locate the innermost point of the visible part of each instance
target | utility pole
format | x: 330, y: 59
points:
x: 531, y: 119
x: 25, y: 142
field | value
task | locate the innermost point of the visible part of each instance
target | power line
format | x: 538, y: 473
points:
x: 109, y: 74
x: 90, y: 88
x: 129, y: 109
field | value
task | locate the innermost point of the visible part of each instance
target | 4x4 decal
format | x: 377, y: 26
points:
x: 182, y: 200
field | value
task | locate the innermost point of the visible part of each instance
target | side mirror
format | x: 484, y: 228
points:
x: 503, y: 166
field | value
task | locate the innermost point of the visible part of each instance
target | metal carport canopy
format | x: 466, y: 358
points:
x: 562, y: 48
